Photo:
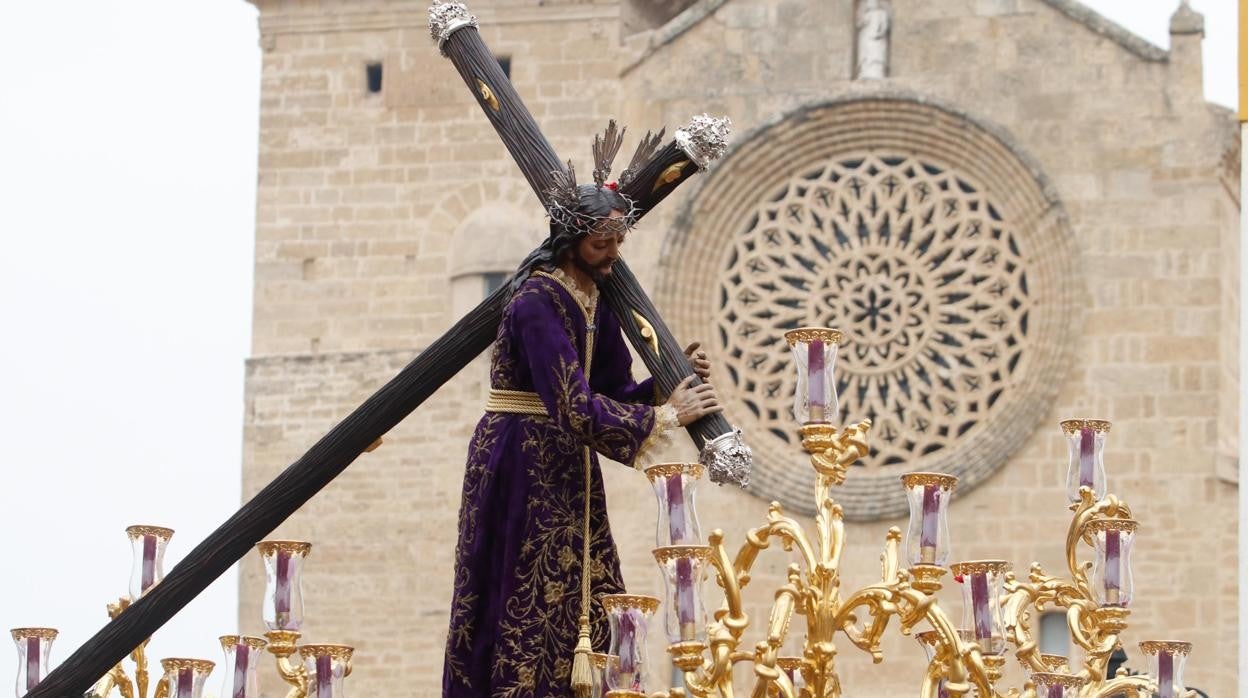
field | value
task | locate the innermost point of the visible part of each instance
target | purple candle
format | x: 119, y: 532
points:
x: 685, y: 599
x: 242, y: 658
x: 1087, y: 458
x: 628, y: 642
x: 324, y: 676
x: 979, y: 604
x: 149, y: 563
x: 676, y: 508
x: 32, y: 662
x: 186, y: 683
x: 816, y: 389
x: 1055, y: 691
x: 281, y: 595
x: 931, y: 519
x: 1165, y: 674
x: 1113, y: 567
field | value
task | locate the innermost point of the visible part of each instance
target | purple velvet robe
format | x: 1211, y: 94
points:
x: 518, y: 565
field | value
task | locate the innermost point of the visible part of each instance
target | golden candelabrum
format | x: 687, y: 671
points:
x: 965, y: 658
x: 311, y: 670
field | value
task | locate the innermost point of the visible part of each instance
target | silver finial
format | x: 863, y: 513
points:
x: 704, y: 139
x: 727, y: 458
x: 445, y: 18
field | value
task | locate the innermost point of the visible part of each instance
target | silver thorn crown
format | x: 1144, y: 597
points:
x: 704, y: 139
x: 445, y: 18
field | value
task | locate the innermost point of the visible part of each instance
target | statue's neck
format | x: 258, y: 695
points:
x: 583, y: 281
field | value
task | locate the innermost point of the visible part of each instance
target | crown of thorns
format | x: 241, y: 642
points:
x: 562, y: 199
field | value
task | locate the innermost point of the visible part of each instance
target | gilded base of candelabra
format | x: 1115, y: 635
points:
x: 687, y: 656
x: 282, y: 643
x: 620, y: 693
x: 926, y: 578
x: 1111, y: 619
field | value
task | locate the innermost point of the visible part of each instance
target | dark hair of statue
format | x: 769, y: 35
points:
x: 592, y: 202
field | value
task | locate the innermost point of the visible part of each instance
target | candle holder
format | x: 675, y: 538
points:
x: 283, y: 590
x: 282, y: 610
x: 1055, y: 663
x: 183, y: 678
x: 1057, y: 685
x: 629, y: 615
x: 326, y: 666
x: 242, y: 661
x: 927, y: 536
x: 1165, y: 666
x: 1112, y: 582
x: 675, y: 486
x: 147, y: 546
x: 683, y: 567
x: 814, y: 354
x: 598, y: 680
x: 34, y: 645
x: 1085, y: 442
x: 982, y: 583
x: 147, y: 543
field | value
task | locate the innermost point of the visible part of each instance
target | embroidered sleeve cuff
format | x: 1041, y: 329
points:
x: 665, y: 420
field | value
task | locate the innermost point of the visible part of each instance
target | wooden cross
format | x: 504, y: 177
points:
x: 728, y: 459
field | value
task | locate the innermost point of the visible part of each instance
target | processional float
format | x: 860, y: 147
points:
x: 725, y: 455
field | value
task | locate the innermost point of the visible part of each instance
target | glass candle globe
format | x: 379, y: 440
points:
x: 814, y: 356
x: 981, y: 602
x: 283, y: 588
x: 1085, y: 445
x: 147, y: 545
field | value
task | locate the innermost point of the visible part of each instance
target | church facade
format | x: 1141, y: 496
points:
x: 1017, y: 212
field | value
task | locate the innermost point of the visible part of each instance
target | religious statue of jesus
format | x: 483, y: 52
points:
x: 535, y: 546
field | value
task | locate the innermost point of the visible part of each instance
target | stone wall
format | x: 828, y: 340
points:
x: 361, y: 194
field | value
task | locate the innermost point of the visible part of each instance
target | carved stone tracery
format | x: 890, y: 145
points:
x: 915, y: 263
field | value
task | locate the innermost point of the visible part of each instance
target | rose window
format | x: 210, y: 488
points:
x: 915, y: 264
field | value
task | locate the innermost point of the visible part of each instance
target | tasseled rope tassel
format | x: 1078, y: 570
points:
x: 582, y: 667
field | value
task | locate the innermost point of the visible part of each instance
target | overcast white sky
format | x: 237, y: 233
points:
x: 127, y: 192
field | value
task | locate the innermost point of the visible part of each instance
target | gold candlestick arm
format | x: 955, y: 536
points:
x: 1126, y: 687
x: 117, y: 677
x: 139, y: 657
x: 282, y: 644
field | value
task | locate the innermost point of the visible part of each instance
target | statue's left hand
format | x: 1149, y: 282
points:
x: 701, y: 364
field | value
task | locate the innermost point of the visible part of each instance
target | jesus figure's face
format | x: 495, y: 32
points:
x: 599, y: 250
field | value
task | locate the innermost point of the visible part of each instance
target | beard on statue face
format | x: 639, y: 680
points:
x: 596, y: 270
x: 597, y: 253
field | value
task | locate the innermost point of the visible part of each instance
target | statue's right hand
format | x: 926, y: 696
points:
x: 693, y: 403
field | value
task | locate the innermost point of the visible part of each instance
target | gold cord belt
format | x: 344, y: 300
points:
x: 515, y: 402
